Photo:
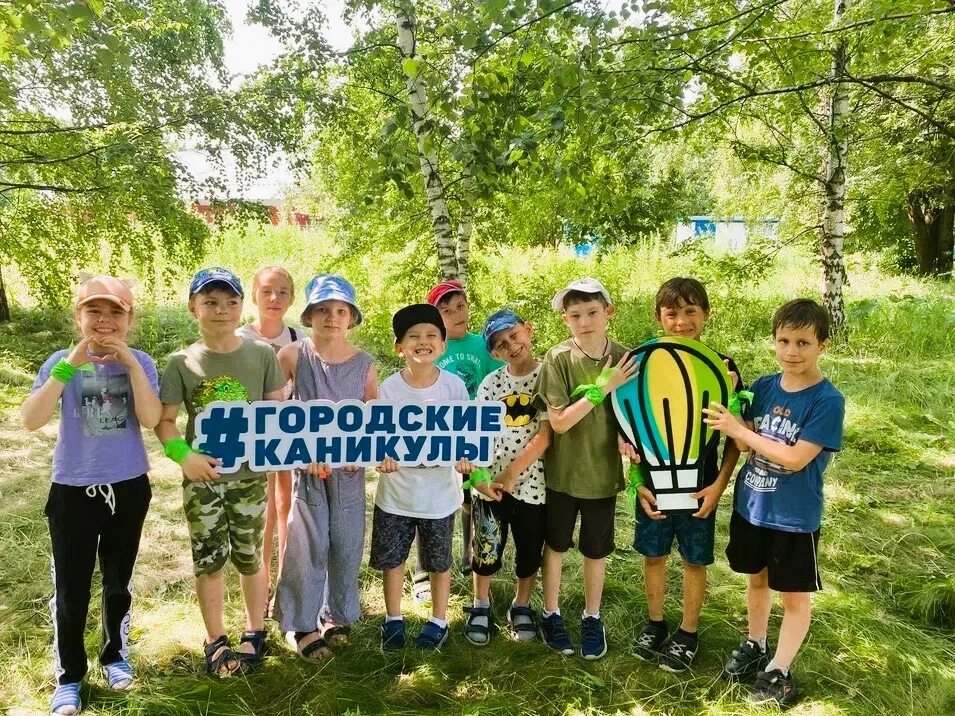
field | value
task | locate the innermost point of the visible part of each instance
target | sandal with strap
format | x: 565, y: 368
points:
x: 66, y: 700
x: 313, y: 651
x: 523, y: 622
x: 119, y: 675
x: 215, y: 664
x: 337, y: 635
x: 478, y: 634
x: 257, y: 640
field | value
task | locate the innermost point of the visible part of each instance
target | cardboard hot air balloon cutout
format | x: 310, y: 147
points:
x: 659, y: 411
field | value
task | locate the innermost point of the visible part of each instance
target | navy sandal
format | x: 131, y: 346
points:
x: 215, y: 664
x: 315, y: 651
x: 257, y: 640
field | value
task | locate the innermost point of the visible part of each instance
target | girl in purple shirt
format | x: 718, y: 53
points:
x: 100, y: 491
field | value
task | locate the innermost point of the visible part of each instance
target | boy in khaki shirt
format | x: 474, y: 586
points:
x: 583, y: 469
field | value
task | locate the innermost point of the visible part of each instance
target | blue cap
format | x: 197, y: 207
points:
x: 328, y: 287
x: 215, y: 274
x: 499, y: 321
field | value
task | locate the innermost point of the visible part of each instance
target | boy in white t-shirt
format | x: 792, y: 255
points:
x: 422, y: 499
x: 514, y: 500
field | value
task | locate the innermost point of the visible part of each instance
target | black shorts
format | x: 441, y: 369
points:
x: 596, y: 523
x: 790, y: 558
x: 392, y: 536
x: 492, y: 520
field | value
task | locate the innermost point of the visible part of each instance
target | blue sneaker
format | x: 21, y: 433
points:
x: 66, y: 700
x: 593, y: 638
x: 554, y: 634
x: 431, y: 637
x: 393, y: 635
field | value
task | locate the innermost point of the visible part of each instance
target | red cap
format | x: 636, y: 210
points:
x: 443, y: 289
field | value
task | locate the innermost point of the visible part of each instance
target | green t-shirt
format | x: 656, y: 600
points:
x: 583, y: 462
x: 197, y: 376
x: 468, y: 359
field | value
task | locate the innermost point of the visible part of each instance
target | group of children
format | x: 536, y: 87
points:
x: 559, y: 459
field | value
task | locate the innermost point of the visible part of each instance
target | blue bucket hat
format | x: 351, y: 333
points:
x: 215, y: 274
x: 328, y: 287
x: 499, y: 321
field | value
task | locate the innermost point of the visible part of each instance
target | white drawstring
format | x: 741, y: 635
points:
x: 106, y: 492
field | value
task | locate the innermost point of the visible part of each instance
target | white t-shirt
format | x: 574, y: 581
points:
x: 424, y: 492
x: 522, y: 420
x: 280, y: 341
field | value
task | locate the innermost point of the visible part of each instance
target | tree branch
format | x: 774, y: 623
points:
x: 8, y: 187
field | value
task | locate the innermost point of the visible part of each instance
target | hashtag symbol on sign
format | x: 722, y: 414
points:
x: 224, y: 430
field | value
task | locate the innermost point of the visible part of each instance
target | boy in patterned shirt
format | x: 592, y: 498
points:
x: 514, y: 500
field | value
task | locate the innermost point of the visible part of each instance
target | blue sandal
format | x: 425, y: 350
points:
x: 66, y: 700
x: 119, y: 675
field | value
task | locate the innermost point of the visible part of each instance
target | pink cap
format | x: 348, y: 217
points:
x: 108, y: 288
x: 443, y: 289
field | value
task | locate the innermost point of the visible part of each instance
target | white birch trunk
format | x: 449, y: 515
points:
x: 465, y: 224
x: 428, y: 158
x: 834, y: 181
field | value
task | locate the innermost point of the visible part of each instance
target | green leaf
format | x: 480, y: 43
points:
x: 411, y: 66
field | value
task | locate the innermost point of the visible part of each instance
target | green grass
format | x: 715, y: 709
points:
x: 883, y: 633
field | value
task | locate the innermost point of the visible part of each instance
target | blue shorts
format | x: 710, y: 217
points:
x: 694, y: 536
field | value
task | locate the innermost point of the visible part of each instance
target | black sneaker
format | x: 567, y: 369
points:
x: 679, y: 653
x: 746, y: 661
x: 649, y: 643
x: 554, y: 634
x: 773, y: 688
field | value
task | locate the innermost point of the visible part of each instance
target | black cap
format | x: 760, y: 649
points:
x: 414, y: 314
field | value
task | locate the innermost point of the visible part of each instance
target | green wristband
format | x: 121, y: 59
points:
x: 63, y: 371
x: 595, y: 395
x: 479, y: 477
x: 177, y: 450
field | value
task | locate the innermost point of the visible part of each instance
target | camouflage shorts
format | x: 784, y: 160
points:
x: 226, y: 520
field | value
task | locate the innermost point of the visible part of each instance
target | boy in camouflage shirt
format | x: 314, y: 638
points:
x: 225, y: 513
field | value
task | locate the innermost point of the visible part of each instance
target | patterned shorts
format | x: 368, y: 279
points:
x: 694, y: 537
x: 226, y: 520
x: 492, y: 522
x: 393, y: 535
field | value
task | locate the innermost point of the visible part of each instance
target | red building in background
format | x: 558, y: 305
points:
x: 277, y: 214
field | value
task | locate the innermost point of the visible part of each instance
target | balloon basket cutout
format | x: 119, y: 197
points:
x: 660, y: 412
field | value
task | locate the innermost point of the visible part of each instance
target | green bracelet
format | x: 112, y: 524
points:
x: 479, y: 477
x: 63, y: 371
x: 635, y: 483
x: 177, y: 450
x: 594, y: 391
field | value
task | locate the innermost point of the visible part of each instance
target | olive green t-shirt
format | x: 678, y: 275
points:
x: 198, y: 376
x: 583, y: 462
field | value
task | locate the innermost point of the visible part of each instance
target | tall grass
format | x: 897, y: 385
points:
x: 882, y: 636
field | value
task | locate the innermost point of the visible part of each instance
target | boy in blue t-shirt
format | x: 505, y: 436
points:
x: 792, y: 428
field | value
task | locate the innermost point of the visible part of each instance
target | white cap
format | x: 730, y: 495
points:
x: 584, y: 285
